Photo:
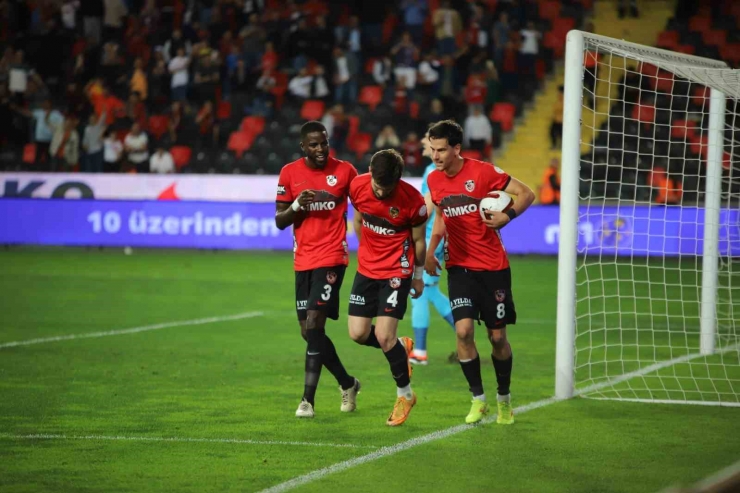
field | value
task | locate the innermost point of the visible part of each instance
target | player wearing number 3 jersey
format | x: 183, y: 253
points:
x: 389, y: 222
x: 479, y: 277
x: 312, y: 196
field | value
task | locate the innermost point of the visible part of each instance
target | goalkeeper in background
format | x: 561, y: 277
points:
x: 431, y: 293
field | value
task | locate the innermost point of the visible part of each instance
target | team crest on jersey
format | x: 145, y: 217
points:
x: 498, y: 170
x: 500, y: 295
x: 470, y: 185
x: 281, y: 190
x: 394, y: 212
x: 331, y: 277
x: 395, y: 283
x: 331, y: 180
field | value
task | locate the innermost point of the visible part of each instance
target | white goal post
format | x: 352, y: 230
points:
x: 648, y: 306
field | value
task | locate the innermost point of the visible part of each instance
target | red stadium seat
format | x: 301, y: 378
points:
x: 158, y: 125
x: 360, y: 143
x: 503, y: 113
x: 369, y: 64
x: 253, y: 124
x: 644, y: 113
x: 731, y: 53
x: 312, y: 109
x: 280, y: 88
x: 562, y: 25
x: 240, y: 142
x: 685, y: 49
x: 224, y: 110
x: 371, y: 96
x: 354, y: 124
x: 664, y: 82
x: 471, y: 154
x: 549, y: 10
x: 715, y: 38
x: 668, y: 39
x: 29, y: 153
x: 414, y: 110
x: 181, y: 156
x: 700, y: 96
x: 700, y: 23
x: 683, y: 129
x: 556, y: 42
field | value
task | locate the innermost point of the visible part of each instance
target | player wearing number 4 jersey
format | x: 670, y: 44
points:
x: 479, y: 277
x: 389, y: 222
x: 312, y: 196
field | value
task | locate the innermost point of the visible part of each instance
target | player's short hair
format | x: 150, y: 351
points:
x: 386, y: 167
x: 311, y: 127
x: 447, y: 129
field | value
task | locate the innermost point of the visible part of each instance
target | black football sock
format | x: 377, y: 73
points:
x: 331, y: 361
x: 503, y: 373
x: 471, y: 370
x: 313, y: 362
x: 398, y: 360
x: 372, y: 339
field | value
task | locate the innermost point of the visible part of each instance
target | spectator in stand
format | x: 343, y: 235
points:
x: 339, y: 130
x: 447, y: 25
x: 92, y: 19
x: 435, y: 112
x: 500, y: 37
x: 322, y: 42
x: 175, y: 121
x: 18, y: 74
x: 172, y: 45
x: 135, y: 111
x: 206, y: 78
x: 157, y: 82
x: 550, y: 188
x: 387, y: 138
x: 253, y: 37
x: 300, y: 85
x: 178, y: 67
x: 92, y: 145
x: 161, y: 161
x: 205, y: 8
x: 382, y: 73
x: 624, y: 5
x: 68, y: 13
x: 449, y: 83
x: 510, y: 70
x: 493, y: 85
x: 65, y: 145
x: 136, y: 146
x: 412, y: 151
x: 406, y: 56
x: 414, y: 15
x: 556, y: 127
x: 351, y: 37
x: 112, y: 152
x: 529, y: 49
x: 208, y: 128
x: 345, y: 76
x: 138, y: 82
x: 428, y: 74
x: 270, y: 58
x: 478, y: 131
x: 111, y: 65
x: 475, y: 92
x: 115, y: 11
x: 297, y: 45
x: 46, y: 120
x: 264, y: 100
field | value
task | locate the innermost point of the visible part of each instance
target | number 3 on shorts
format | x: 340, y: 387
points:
x: 327, y: 294
x: 393, y: 299
x: 500, y: 311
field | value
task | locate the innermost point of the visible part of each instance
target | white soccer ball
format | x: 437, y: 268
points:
x: 498, y: 201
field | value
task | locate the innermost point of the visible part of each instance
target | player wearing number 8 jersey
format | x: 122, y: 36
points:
x: 479, y: 277
x: 312, y: 196
x: 389, y: 222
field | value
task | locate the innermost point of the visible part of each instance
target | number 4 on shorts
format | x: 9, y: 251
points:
x: 393, y: 299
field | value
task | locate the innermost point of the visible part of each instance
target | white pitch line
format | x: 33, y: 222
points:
x: 44, y: 436
x: 454, y: 430
x: 133, y: 330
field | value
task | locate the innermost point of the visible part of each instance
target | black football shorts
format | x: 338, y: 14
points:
x: 318, y: 289
x: 481, y: 295
x: 379, y: 297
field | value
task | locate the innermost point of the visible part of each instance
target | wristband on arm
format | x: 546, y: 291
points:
x: 418, y: 272
x: 296, y: 205
x: 511, y: 213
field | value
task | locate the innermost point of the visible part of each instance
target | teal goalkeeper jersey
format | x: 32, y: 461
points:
x: 424, y: 192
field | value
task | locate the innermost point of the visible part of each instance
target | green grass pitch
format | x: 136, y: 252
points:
x: 209, y: 406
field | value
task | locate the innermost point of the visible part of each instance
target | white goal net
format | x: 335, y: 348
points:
x: 649, y: 267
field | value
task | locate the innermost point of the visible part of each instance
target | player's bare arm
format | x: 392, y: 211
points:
x: 524, y: 198
x: 431, y: 264
x: 285, y: 213
x: 357, y: 223
x: 418, y: 234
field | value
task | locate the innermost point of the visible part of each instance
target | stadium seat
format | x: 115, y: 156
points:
x: 354, y: 124
x: 731, y: 53
x: 223, y: 111
x: 253, y: 124
x: 240, y: 142
x: 700, y: 23
x: 644, y: 113
x: 503, y: 113
x: 371, y: 96
x: 280, y: 88
x: 312, y: 109
x: 29, y: 153
x: 158, y: 125
x: 683, y: 129
x: 668, y: 39
x: 715, y: 38
x: 360, y: 143
x: 549, y: 10
x: 181, y: 156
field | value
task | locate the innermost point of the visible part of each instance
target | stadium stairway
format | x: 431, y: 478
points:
x: 528, y: 152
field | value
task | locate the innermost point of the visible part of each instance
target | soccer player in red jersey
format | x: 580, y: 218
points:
x: 478, y: 274
x: 389, y: 222
x: 312, y: 196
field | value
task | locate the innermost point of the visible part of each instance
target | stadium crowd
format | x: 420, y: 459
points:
x: 220, y: 85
